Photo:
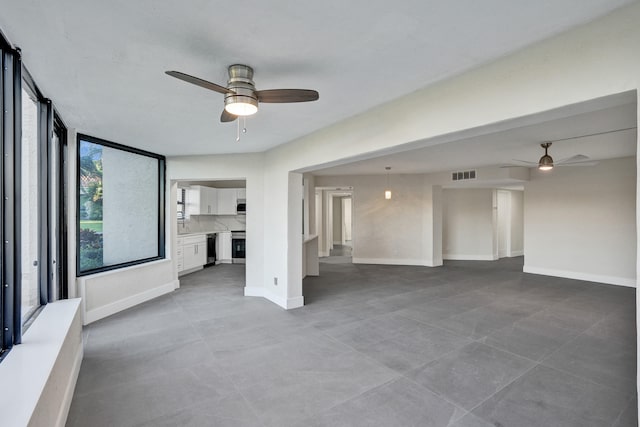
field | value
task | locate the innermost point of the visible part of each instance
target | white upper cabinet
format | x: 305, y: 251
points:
x: 227, y: 201
x: 202, y: 200
x: 242, y: 193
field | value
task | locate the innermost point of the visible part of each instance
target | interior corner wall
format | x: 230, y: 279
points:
x: 517, y: 223
x: 468, y: 224
x: 431, y: 223
x: 580, y: 222
x: 337, y: 220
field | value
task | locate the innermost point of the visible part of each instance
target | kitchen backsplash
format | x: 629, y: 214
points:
x: 206, y: 223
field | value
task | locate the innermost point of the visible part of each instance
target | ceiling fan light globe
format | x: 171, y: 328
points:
x: 545, y: 163
x: 241, y: 105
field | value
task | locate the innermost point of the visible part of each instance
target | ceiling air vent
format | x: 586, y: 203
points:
x: 460, y: 176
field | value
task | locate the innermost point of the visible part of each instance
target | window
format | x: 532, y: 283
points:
x: 30, y: 193
x: 30, y: 173
x: 118, y: 228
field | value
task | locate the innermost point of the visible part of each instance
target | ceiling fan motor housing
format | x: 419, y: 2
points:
x: 241, y: 82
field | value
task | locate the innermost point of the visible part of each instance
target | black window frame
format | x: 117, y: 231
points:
x: 13, y: 77
x: 10, y: 143
x: 161, y: 203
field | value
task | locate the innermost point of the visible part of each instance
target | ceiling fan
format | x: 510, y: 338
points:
x: 240, y: 95
x: 546, y: 161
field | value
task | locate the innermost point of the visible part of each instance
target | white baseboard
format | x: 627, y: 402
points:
x: 253, y: 291
x: 123, y: 304
x: 295, y: 302
x: 598, y: 278
x: 516, y: 253
x: 323, y: 254
x: 462, y: 257
x: 286, y: 303
x: 70, y: 388
x: 191, y: 270
x: 392, y: 261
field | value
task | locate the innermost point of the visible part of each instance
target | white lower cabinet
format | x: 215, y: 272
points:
x: 223, y: 247
x: 192, y: 253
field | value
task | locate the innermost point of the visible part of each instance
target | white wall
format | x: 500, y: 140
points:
x: 385, y: 231
x: 337, y: 220
x: 580, y: 222
x: 504, y: 223
x: 467, y: 224
x: 517, y: 223
x: 104, y: 294
x: 346, y: 219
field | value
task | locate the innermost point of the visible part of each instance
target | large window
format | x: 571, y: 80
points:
x: 120, y: 204
x: 31, y: 171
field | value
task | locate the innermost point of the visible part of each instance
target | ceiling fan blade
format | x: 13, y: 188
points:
x: 526, y: 162
x: 287, y: 95
x: 573, y: 159
x: 227, y: 117
x: 199, y: 82
x: 513, y: 166
x: 584, y: 163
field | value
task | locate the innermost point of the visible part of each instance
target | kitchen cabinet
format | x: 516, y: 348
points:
x: 192, y: 253
x: 179, y: 254
x: 202, y: 200
x: 227, y: 199
x: 242, y: 193
x: 223, y: 247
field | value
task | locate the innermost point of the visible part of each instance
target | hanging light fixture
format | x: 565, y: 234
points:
x: 387, y: 191
x: 546, y: 161
x: 242, y: 100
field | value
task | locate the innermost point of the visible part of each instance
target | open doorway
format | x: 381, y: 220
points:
x: 210, y: 225
x: 334, y: 222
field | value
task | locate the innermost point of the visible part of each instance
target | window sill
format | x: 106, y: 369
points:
x: 28, y: 369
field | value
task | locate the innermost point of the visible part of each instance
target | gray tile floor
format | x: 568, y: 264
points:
x: 470, y: 344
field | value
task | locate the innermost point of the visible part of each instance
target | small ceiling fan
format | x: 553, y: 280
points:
x: 546, y: 161
x: 240, y: 95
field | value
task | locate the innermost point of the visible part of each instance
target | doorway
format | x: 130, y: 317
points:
x: 334, y: 223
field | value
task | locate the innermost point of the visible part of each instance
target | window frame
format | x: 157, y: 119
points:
x: 14, y: 76
x: 161, y: 204
x: 10, y: 146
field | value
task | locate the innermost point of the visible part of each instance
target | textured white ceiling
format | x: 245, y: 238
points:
x: 103, y: 62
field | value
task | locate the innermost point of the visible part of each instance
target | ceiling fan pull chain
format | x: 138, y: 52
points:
x: 244, y: 124
x: 238, y: 131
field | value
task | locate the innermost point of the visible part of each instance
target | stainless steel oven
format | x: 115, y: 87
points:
x: 238, y: 241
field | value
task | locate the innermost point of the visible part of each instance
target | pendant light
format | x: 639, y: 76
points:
x: 546, y: 162
x: 387, y: 191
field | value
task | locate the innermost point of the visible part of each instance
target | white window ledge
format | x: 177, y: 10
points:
x: 28, y: 368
